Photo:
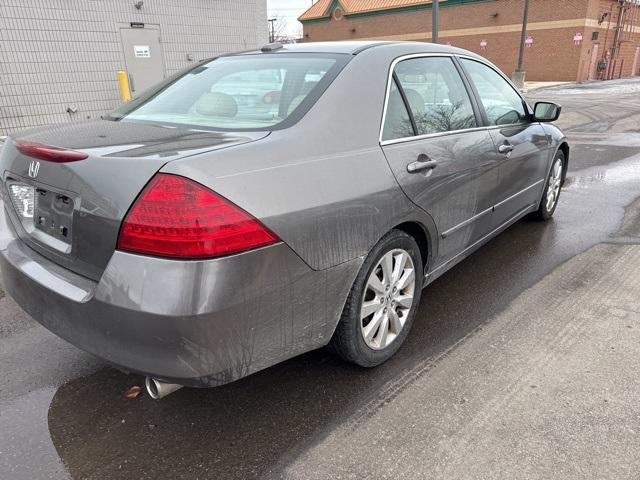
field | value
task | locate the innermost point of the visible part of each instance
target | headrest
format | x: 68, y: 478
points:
x: 217, y: 104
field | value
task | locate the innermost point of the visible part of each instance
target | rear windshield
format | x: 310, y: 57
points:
x: 244, y: 92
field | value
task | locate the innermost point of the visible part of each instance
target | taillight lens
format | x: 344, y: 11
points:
x: 178, y: 218
x: 49, y: 153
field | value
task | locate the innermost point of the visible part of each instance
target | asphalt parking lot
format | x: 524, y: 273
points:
x: 522, y: 363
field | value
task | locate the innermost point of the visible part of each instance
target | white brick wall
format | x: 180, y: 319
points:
x: 58, y: 53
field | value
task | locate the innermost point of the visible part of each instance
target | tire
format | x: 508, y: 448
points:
x: 395, y: 311
x: 552, y: 188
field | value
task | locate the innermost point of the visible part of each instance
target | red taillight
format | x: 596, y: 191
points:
x: 179, y: 218
x: 49, y: 153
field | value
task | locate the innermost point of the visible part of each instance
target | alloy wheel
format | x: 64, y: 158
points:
x: 388, y: 299
x: 555, y: 182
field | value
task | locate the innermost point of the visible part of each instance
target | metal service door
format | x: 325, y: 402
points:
x: 143, y: 57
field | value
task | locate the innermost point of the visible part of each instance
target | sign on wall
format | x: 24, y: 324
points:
x: 577, y: 38
x: 142, y: 51
x: 483, y: 44
x: 528, y: 42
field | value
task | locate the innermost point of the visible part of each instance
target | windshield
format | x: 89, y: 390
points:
x: 244, y: 92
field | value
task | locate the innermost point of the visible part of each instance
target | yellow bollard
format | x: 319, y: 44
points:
x: 123, y: 81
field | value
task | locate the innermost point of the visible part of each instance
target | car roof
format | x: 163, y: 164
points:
x: 353, y: 47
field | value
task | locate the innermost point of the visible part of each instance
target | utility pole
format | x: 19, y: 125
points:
x: 435, y: 20
x: 519, y: 74
x: 272, y: 31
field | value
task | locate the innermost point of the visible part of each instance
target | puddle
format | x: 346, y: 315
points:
x: 619, y: 174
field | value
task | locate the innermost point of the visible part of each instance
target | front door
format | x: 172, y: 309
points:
x: 143, y: 57
x: 522, y: 147
x: 441, y: 161
x: 522, y: 171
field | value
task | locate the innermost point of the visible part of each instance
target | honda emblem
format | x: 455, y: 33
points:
x: 34, y: 168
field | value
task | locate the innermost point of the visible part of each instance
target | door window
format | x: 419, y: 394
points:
x: 501, y: 102
x: 397, y: 123
x: 436, y: 95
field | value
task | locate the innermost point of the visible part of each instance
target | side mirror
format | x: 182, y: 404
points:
x: 546, y: 112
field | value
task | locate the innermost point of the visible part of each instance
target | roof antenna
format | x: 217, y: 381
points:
x: 271, y: 47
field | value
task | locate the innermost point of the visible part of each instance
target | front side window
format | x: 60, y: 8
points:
x: 244, y: 92
x: 436, y: 95
x: 501, y: 102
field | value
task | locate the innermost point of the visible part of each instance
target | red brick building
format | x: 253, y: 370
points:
x: 568, y: 40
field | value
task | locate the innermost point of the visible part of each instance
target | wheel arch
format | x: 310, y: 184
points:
x: 420, y: 234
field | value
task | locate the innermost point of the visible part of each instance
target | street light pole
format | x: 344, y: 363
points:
x: 519, y: 74
x: 272, y: 32
x: 435, y: 20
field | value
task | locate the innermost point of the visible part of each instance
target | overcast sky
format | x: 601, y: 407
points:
x: 290, y: 10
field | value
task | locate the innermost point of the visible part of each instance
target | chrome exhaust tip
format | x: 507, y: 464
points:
x: 157, y: 389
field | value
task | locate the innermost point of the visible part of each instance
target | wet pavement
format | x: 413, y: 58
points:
x: 63, y: 413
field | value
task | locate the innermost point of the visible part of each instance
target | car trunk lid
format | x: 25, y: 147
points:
x: 78, y: 206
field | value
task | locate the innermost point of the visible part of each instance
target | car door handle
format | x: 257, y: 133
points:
x: 505, y: 148
x: 423, y: 163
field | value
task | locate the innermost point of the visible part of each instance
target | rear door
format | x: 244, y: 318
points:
x: 521, y: 145
x: 441, y: 159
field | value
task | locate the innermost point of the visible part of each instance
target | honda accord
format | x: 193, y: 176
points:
x: 271, y: 202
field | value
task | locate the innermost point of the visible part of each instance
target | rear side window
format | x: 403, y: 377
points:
x: 397, y: 123
x: 501, y: 102
x: 436, y: 95
x: 244, y: 92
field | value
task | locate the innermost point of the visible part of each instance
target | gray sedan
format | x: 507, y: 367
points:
x: 268, y: 203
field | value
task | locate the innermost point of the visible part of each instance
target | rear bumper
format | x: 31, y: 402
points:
x: 198, y: 323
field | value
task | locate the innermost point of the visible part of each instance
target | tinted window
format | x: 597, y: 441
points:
x: 397, y: 123
x: 237, y: 92
x: 501, y: 102
x: 436, y: 95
